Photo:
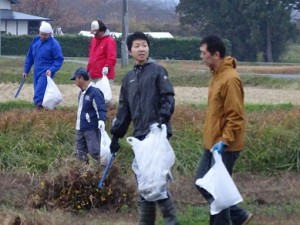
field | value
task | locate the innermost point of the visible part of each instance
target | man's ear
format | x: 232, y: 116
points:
x: 217, y: 55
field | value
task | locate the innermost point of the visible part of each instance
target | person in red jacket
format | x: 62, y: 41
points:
x: 102, y: 54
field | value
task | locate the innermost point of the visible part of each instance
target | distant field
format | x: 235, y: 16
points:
x: 36, y: 146
x: 292, y: 54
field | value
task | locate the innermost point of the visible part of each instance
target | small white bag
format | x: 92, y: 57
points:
x: 104, y: 147
x: 218, y: 182
x: 104, y: 86
x: 52, y: 95
x: 152, y: 164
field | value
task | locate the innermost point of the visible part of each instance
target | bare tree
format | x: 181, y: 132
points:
x: 75, y: 15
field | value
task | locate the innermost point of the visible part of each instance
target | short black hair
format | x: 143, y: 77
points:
x: 136, y: 36
x: 102, y: 26
x: 214, y: 44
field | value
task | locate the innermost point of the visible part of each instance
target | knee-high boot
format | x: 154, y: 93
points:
x: 168, y: 211
x: 147, y: 212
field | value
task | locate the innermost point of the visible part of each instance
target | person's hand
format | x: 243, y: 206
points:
x: 105, y: 71
x: 101, y: 125
x: 219, y: 147
x: 48, y: 73
x: 24, y: 75
x: 114, y: 145
x: 161, y: 121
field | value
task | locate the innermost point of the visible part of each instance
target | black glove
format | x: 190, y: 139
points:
x: 114, y: 145
x: 161, y: 121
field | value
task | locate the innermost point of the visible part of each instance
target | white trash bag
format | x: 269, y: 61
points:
x: 154, y: 157
x: 104, y: 147
x: 104, y: 86
x: 218, y: 182
x: 52, y: 95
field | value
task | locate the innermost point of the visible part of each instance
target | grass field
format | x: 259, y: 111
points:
x: 37, y: 146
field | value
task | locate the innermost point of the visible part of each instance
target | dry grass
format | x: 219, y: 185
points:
x: 55, y: 193
x: 241, y: 67
x: 275, y: 117
x: 183, y: 95
x: 269, y: 69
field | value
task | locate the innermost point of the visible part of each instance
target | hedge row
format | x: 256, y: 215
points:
x: 77, y: 46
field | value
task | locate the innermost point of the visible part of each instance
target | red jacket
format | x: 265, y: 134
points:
x: 102, y: 52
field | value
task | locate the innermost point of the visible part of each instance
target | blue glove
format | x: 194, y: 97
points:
x: 219, y: 147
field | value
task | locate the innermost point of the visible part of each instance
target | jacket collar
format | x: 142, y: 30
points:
x: 228, y: 62
x: 140, y: 67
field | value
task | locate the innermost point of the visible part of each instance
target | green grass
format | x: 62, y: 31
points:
x: 192, y: 215
x: 270, y: 82
x: 12, y: 105
x: 30, y: 140
x: 267, y: 108
x: 292, y: 54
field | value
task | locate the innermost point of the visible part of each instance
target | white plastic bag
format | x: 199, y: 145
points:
x: 154, y: 158
x: 52, y: 95
x: 104, y: 86
x: 104, y: 147
x: 218, y: 182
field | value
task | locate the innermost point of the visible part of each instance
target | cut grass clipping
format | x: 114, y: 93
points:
x: 75, y: 188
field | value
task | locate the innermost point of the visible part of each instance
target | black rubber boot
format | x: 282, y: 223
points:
x: 168, y: 211
x: 147, y: 212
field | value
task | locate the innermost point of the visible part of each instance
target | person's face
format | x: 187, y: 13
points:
x: 207, y: 57
x: 139, y: 51
x: 44, y: 36
x: 97, y: 33
x: 79, y: 82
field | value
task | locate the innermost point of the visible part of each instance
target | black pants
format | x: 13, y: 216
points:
x: 235, y: 214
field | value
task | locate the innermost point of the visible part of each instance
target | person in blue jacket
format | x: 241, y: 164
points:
x: 46, y: 55
x: 91, y: 117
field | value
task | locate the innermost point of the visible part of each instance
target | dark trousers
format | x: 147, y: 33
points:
x: 235, y: 214
x: 88, y: 142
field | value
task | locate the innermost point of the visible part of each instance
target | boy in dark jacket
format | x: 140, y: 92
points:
x: 91, y: 116
x: 146, y: 97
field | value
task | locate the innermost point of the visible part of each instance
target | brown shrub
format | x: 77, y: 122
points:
x: 74, y: 187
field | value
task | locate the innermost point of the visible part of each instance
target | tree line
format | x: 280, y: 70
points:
x: 259, y: 30
x: 75, y: 15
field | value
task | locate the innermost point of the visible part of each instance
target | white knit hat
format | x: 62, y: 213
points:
x: 94, y: 25
x: 45, y: 27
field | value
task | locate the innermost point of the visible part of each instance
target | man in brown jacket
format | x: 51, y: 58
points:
x: 224, y: 128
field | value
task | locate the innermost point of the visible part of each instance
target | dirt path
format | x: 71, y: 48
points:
x: 192, y: 95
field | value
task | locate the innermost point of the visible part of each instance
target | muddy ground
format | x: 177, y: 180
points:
x: 262, y: 192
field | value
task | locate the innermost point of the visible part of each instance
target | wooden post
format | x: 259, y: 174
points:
x: 0, y: 30
x: 125, y: 28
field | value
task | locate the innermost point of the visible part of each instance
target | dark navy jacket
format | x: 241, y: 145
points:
x: 91, y: 109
